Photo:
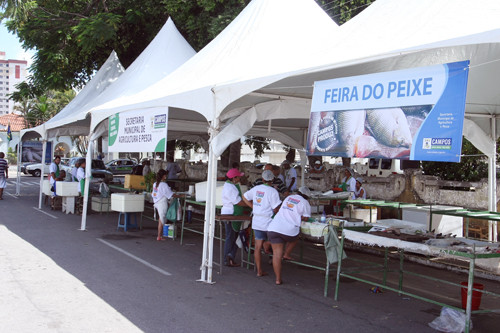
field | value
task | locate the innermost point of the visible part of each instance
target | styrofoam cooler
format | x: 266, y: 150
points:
x: 101, y: 204
x: 201, y: 192
x: 127, y: 203
x: 441, y: 223
x: 67, y: 189
x: 361, y: 213
x: 46, y: 187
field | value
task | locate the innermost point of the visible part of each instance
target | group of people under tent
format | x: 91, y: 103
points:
x: 56, y: 174
x: 275, y: 223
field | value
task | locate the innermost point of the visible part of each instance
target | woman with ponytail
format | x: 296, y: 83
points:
x: 161, y: 194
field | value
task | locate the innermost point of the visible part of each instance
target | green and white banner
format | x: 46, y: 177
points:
x: 138, y: 131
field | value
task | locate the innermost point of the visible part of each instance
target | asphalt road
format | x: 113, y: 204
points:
x: 55, y: 278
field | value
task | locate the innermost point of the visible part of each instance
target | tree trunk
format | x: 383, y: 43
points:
x: 234, y: 153
x: 346, y: 161
x: 170, y: 149
x: 290, y: 156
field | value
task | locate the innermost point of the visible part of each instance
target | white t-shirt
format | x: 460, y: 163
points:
x: 74, y: 171
x: 287, y: 220
x: 230, y: 197
x: 52, y: 169
x: 265, y: 198
x: 162, y: 191
x: 289, y: 174
x: 351, y: 184
x: 357, y: 193
x: 80, y: 174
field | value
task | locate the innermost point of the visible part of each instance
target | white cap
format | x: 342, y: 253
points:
x: 304, y: 190
x: 268, y: 175
x: 317, y: 162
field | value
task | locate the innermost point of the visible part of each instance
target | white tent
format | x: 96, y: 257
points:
x: 389, y: 35
x: 267, y: 40
x: 107, y: 74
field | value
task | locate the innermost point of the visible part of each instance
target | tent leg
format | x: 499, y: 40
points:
x: 213, y: 177
x: 204, y: 259
x: 44, y: 150
x: 88, y: 175
x: 492, y: 185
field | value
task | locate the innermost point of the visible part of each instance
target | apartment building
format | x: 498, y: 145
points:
x: 12, y: 72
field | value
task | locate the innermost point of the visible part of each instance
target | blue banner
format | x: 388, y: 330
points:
x: 414, y: 114
x: 31, y: 151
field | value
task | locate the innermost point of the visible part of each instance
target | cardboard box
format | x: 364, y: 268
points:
x: 100, y: 204
x: 127, y: 203
x: 135, y: 182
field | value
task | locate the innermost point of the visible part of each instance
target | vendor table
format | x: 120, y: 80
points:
x: 476, y: 214
x: 183, y: 225
x: 402, y: 246
x: 225, y: 218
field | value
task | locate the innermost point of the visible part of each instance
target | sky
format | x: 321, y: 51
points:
x: 12, y: 47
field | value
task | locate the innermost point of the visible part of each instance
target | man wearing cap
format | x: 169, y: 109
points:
x: 359, y: 191
x: 265, y: 201
x: 285, y: 227
x: 290, y: 176
x: 231, y: 205
x: 277, y: 183
x: 317, y: 167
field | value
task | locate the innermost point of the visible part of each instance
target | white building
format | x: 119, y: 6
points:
x: 12, y: 72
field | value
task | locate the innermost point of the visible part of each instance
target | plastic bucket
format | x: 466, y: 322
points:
x: 476, y: 295
x: 165, y: 234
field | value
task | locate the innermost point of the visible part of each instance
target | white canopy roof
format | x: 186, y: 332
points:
x: 391, y: 35
x: 267, y: 40
x: 166, y: 52
x: 107, y: 74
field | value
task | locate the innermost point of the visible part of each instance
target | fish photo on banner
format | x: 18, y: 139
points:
x: 414, y: 113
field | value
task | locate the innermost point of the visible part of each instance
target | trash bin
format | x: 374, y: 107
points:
x: 476, y: 295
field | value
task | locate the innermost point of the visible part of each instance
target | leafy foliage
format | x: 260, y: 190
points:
x: 81, y: 143
x: 470, y: 168
x: 11, y: 156
x: 259, y: 144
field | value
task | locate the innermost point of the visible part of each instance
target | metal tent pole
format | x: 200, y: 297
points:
x: 44, y: 150
x: 18, y: 180
x: 88, y: 175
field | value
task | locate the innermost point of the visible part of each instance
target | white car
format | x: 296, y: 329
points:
x: 36, y: 169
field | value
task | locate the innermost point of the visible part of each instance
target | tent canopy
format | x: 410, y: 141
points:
x: 107, y: 74
x: 265, y: 42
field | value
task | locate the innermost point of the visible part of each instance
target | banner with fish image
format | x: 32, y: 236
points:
x: 414, y: 114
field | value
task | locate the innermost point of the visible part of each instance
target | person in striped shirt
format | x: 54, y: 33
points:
x: 4, y: 174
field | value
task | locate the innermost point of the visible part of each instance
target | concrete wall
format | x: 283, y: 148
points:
x: 410, y: 187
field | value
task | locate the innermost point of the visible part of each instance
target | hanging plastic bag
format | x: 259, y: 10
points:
x: 172, y: 210
x: 450, y: 320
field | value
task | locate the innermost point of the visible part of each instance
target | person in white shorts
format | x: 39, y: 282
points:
x: 161, y: 194
x: 285, y: 227
x: 265, y: 202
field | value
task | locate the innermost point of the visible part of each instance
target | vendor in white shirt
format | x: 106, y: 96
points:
x: 80, y: 175
x: 161, y: 194
x: 231, y: 205
x: 348, y: 182
x: 359, y: 191
x: 54, y: 173
x: 265, y: 202
x: 290, y: 176
x: 285, y: 227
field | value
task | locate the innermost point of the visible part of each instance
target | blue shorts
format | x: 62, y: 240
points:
x: 260, y: 235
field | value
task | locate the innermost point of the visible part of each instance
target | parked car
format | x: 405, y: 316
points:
x: 35, y: 169
x: 99, y: 171
x: 121, y: 166
x: 23, y: 167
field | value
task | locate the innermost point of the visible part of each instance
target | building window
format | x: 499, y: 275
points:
x: 18, y: 72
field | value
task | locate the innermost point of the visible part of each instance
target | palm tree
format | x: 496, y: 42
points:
x: 24, y: 107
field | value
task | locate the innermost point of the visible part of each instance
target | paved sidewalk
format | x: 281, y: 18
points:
x: 39, y: 296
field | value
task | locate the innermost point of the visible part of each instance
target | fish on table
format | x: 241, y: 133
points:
x: 389, y: 126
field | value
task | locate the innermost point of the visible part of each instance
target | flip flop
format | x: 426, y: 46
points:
x: 287, y: 258
x: 160, y: 239
x: 279, y: 283
x: 263, y: 274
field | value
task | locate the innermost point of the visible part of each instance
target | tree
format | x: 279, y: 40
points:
x: 73, y: 38
x: 472, y: 166
x: 81, y: 143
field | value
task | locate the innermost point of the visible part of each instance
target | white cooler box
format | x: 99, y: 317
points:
x: 441, y: 223
x: 67, y: 189
x: 127, y: 203
x: 361, y: 213
x: 46, y: 187
x: 201, y: 192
